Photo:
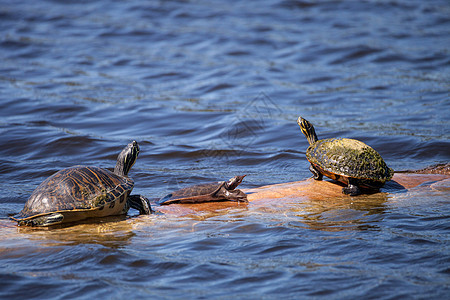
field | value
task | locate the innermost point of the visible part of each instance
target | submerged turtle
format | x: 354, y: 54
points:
x: 346, y: 160
x: 81, y: 192
x: 208, y: 192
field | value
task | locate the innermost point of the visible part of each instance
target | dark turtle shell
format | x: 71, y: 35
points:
x: 206, y: 192
x: 72, y: 191
x: 341, y: 159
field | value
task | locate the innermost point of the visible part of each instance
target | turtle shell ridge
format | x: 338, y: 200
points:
x: 349, y: 158
x: 78, y: 188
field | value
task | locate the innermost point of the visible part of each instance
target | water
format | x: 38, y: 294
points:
x: 211, y: 89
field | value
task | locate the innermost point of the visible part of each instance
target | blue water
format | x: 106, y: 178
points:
x: 211, y: 89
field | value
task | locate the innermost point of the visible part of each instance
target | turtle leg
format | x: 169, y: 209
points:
x: 236, y: 196
x: 47, y: 220
x: 352, y: 189
x: 229, y: 195
x: 316, y: 174
x: 140, y: 203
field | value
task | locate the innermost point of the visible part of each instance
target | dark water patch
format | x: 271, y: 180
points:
x: 358, y: 53
x: 296, y: 4
x: 203, y: 273
x: 319, y: 79
x: 93, y: 288
x: 26, y: 287
x: 279, y: 249
x: 14, y: 45
x: 140, y: 263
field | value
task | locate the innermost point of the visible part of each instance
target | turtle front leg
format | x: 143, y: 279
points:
x: 236, y: 196
x: 316, y: 174
x: 141, y: 203
x: 352, y: 189
x: 229, y: 195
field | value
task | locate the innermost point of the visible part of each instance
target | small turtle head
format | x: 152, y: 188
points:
x: 308, y: 130
x: 234, y: 182
x: 126, y: 159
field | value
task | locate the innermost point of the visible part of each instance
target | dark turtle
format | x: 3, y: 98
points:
x: 208, y: 192
x: 81, y: 192
x: 346, y: 160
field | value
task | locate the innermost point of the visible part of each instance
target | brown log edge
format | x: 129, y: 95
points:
x: 281, y: 197
x: 326, y: 190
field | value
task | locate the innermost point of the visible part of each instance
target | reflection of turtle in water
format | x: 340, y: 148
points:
x: 81, y: 192
x: 346, y: 160
x: 208, y: 192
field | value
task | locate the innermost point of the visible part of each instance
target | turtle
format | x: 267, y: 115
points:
x: 82, y: 192
x: 207, y: 192
x: 349, y: 161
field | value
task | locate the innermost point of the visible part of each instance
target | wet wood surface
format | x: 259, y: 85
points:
x: 278, y: 198
x: 306, y: 190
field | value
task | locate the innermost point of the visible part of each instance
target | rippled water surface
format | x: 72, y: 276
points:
x: 211, y: 89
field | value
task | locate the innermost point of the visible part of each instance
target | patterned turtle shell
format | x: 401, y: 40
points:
x: 75, y: 190
x: 81, y: 192
x: 208, y: 192
x: 350, y: 158
x: 346, y: 160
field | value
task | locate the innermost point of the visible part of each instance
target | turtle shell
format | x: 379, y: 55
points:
x: 78, y: 193
x: 341, y: 159
x: 195, y: 193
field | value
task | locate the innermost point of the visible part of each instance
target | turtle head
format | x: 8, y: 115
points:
x: 126, y: 159
x: 234, y: 182
x: 308, y: 130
